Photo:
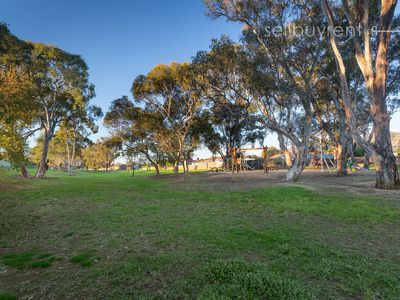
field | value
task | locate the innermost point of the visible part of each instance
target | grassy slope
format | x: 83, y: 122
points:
x: 114, y: 236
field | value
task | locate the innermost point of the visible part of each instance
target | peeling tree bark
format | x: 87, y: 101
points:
x: 387, y: 176
x: 299, y: 164
x: 301, y: 157
x: 341, y: 164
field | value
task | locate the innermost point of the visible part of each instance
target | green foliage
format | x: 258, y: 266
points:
x: 167, y: 92
x: 100, y: 155
x: 238, y: 279
x: 276, y: 70
x: 232, y: 114
x: 65, y: 149
x: 137, y: 130
x: 358, y: 151
x: 33, y: 259
x: 13, y: 147
x: 44, y: 86
x: 64, y: 93
x: 16, y: 109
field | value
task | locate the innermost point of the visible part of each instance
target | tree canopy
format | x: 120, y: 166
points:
x: 310, y: 89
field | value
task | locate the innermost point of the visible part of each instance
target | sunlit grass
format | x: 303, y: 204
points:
x: 142, y: 236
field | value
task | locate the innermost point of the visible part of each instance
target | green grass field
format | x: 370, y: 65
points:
x: 106, y: 235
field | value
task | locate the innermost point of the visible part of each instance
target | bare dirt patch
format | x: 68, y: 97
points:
x: 361, y: 183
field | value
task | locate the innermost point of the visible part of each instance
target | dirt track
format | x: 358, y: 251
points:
x: 360, y: 183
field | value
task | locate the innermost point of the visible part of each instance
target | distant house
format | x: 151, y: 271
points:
x: 118, y: 166
x: 206, y: 163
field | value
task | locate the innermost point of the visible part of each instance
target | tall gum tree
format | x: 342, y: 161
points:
x: 136, y: 131
x: 101, y: 155
x: 167, y: 90
x: 64, y: 149
x: 17, y: 111
x: 373, y: 64
x: 220, y: 83
x: 294, y: 57
x: 62, y: 93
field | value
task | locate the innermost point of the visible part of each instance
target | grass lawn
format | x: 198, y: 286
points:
x: 100, y: 235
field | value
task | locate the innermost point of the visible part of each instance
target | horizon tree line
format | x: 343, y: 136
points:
x: 344, y: 87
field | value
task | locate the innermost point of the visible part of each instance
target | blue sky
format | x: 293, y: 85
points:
x: 120, y: 39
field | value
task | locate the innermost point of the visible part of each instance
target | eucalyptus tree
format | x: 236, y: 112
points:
x: 167, y: 90
x: 359, y: 97
x: 74, y: 135
x: 372, y: 60
x: 65, y: 149
x: 220, y: 83
x: 16, y: 108
x: 329, y: 111
x: 282, y: 113
x: 293, y: 58
x: 40, y: 87
x: 136, y: 130
x: 62, y: 93
x: 364, y: 119
x: 101, y: 155
x: 70, y: 139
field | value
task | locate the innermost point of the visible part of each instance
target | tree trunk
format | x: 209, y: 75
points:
x: 375, y: 77
x: 350, y: 150
x: 387, y: 174
x: 341, y: 164
x: 299, y: 164
x: 185, y: 167
x: 176, y: 167
x: 366, y: 162
x: 43, y: 158
x: 226, y: 167
x: 24, y: 171
x: 302, y: 150
x: 71, y: 156
x: 152, y: 162
x: 157, y: 169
